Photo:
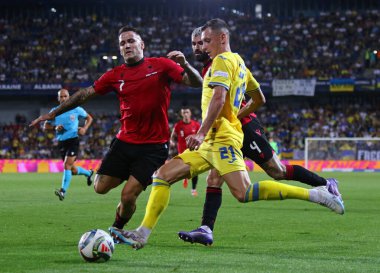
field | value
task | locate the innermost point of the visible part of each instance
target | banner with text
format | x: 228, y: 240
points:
x: 298, y: 87
x: 56, y: 165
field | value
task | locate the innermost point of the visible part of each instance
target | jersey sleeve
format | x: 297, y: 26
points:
x: 103, y: 85
x: 81, y: 112
x: 174, y: 70
x: 220, y: 73
x: 252, y: 84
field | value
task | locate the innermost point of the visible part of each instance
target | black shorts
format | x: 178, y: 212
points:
x: 140, y: 160
x: 255, y: 145
x: 68, y: 147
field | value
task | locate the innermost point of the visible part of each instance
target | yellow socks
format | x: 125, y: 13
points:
x: 271, y: 190
x: 157, y: 203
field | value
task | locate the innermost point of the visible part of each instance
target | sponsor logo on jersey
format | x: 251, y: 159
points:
x: 220, y: 74
x: 150, y: 74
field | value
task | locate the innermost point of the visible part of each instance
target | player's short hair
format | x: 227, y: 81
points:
x: 217, y: 25
x: 129, y: 28
x: 196, y: 32
x: 185, y: 108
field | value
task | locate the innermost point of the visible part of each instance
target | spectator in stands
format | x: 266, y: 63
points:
x: 338, y: 44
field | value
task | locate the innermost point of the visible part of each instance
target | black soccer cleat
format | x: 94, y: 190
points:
x: 60, y: 193
x: 89, y: 180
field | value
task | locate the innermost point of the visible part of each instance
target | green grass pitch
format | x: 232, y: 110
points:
x: 38, y: 233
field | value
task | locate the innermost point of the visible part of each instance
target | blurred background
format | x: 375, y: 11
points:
x: 318, y: 63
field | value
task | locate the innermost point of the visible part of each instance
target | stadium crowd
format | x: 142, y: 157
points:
x: 67, y: 48
x: 287, y: 124
x: 64, y: 48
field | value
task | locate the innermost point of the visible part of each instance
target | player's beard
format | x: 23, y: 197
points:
x: 202, y: 57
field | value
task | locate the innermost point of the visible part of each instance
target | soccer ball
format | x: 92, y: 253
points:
x: 96, y: 246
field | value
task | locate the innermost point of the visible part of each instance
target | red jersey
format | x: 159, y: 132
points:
x: 143, y: 90
x: 244, y: 120
x: 183, y: 130
x: 206, y: 66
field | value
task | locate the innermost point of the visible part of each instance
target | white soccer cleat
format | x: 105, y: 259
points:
x: 326, y: 199
x: 128, y: 237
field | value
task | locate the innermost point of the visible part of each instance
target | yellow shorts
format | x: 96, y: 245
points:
x: 225, y: 159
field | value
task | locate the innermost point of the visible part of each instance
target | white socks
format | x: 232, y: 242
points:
x: 145, y: 232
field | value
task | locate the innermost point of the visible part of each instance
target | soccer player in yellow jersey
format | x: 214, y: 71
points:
x: 217, y: 143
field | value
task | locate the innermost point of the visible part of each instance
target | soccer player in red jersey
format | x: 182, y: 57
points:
x: 181, y: 131
x: 142, y: 86
x: 255, y: 147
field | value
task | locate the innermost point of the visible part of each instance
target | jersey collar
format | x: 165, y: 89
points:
x: 136, y: 63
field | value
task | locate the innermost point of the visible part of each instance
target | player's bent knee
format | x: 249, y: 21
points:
x: 100, y: 188
x: 173, y: 171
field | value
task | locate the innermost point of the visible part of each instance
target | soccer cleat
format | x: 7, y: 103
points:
x: 113, y: 236
x: 131, y: 237
x: 194, y: 193
x: 60, y: 194
x: 329, y: 200
x: 185, y: 183
x: 332, y: 187
x: 89, y: 180
x: 198, y: 235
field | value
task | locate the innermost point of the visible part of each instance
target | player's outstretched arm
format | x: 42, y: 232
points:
x: 257, y: 100
x: 80, y: 97
x: 191, y: 77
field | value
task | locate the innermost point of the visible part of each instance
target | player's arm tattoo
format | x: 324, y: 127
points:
x: 79, y: 97
x: 191, y: 77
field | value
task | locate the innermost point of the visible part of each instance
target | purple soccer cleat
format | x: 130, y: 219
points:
x: 332, y: 187
x: 199, y: 235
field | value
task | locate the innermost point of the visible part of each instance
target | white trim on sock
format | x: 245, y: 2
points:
x: 206, y: 228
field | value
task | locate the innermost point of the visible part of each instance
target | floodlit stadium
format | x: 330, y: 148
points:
x: 316, y: 62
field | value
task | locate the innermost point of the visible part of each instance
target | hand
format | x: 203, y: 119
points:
x: 59, y: 128
x: 178, y: 57
x: 193, y: 142
x: 81, y: 131
x: 47, y: 116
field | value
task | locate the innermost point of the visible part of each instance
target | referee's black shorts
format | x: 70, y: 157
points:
x: 140, y: 160
x: 68, y: 147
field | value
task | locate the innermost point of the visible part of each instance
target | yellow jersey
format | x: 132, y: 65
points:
x: 227, y: 70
